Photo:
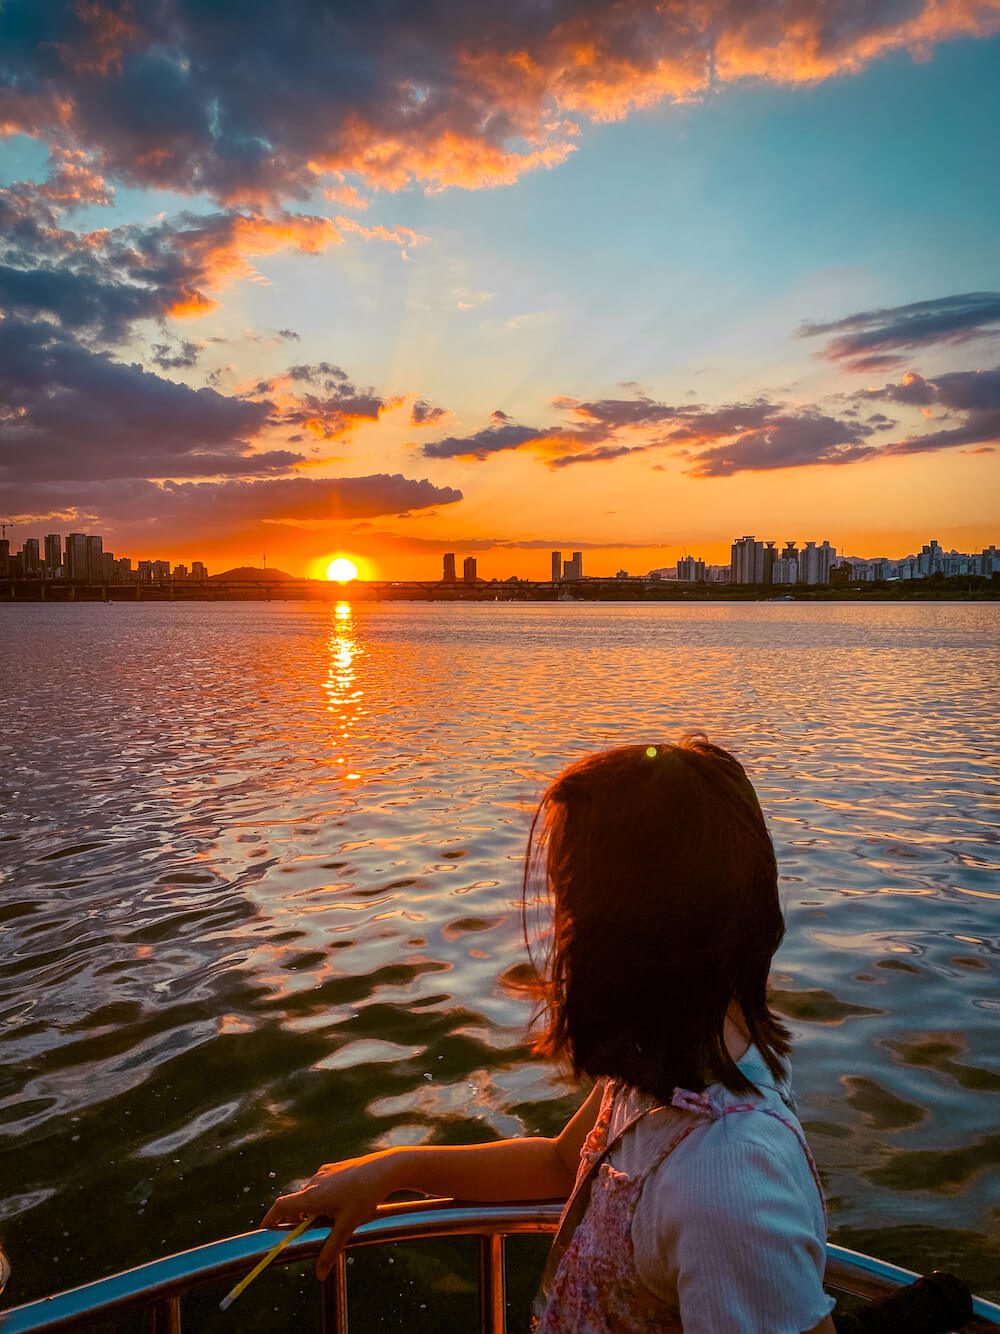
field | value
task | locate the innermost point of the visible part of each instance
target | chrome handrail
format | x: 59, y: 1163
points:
x: 160, y: 1285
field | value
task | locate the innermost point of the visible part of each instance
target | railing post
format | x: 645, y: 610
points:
x: 333, y: 1299
x: 165, y: 1316
x: 492, y: 1288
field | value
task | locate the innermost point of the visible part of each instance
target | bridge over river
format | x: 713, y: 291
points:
x: 312, y: 590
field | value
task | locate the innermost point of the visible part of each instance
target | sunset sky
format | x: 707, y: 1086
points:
x: 393, y: 280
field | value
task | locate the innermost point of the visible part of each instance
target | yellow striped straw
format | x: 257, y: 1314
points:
x: 228, y: 1300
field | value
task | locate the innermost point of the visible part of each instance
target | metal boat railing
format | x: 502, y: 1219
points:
x: 159, y: 1288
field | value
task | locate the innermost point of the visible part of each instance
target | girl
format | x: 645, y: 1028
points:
x: 694, y: 1201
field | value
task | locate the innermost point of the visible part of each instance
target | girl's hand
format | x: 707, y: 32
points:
x: 347, y: 1193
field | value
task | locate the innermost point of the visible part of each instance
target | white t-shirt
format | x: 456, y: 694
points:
x: 730, y: 1227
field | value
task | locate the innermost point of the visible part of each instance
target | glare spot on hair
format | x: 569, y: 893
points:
x: 651, y: 752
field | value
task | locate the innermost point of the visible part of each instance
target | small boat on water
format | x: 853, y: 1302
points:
x: 157, y: 1290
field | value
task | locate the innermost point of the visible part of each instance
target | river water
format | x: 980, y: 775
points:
x: 260, y: 883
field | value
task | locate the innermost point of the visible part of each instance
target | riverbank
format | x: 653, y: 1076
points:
x: 963, y: 588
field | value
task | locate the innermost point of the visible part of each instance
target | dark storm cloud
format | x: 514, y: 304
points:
x: 77, y: 300
x: 599, y: 455
x: 502, y: 434
x: 329, y: 408
x: 698, y: 423
x: 615, y: 412
x: 872, y: 340
x: 246, y: 99
x: 101, y: 282
x: 426, y: 414
x: 715, y: 441
x: 217, y: 505
x: 971, y: 398
x: 176, y: 356
x: 799, y: 440
x: 69, y: 412
x: 320, y: 372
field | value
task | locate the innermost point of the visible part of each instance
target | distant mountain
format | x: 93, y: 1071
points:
x: 250, y: 573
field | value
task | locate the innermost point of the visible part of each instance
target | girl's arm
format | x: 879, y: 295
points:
x: 348, y: 1193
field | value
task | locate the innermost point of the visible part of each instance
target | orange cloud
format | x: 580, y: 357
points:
x: 450, y: 158
x: 458, y: 95
x: 73, y: 180
x: 191, y: 306
x: 107, y: 35
x: 319, y: 400
x: 218, y: 250
x: 405, y: 237
x: 817, y: 44
x: 222, y: 249
x: 616, y: 59
x: 346, y: 195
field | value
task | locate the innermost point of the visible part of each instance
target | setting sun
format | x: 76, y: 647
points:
x: 341, y: 570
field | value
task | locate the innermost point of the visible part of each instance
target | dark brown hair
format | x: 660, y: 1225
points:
x: 663, y: 888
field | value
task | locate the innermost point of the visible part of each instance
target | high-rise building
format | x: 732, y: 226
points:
x: 785, y: 570
x: 767, y: 563
x: 76, y: 557
x: 107, y: 566
x: 747, y: 561
x: 160, y: 569
x: 198, y: 570
x: 691, y: 570
x: 573, y: 568
x: 4, y: 557
x: 827, y: 558
x: 816, y: 562
x: 930, y: 560
x: 31, y: 558
x: 469, y: 569
x: 449, y: 576
x: 556, y: 566
x: 786, y: 566
x: 180, y: 572
x: 95, y: 559
x: 53, y: 555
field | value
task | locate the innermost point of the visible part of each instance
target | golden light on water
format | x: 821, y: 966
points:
x: 343, y: 688
x: 341, y: 570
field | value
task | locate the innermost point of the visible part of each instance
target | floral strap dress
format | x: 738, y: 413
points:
x: 591, y: 1283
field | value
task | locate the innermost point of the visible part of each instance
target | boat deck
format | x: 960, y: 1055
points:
x: 159, y: 1288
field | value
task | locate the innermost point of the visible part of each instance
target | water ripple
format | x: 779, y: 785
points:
x: 260, y: 869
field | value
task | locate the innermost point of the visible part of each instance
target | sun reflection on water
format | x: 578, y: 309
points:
x: 344, y: 694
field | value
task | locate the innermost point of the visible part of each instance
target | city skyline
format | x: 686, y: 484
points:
x: 752, y: 561
x: 593, y: 272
